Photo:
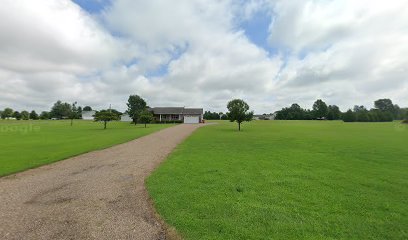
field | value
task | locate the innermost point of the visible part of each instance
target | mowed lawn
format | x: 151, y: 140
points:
x: 28, y: 144
x: 287, y: 180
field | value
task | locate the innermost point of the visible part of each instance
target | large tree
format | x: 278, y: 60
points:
x: 33, y: 115
x: 320, y: 109
x: 74, y: 112
x: 7, y: 113
x: 333, y: 113
x: 239, y: 112
x: 17, y: 115
x: 145, y: 117
x: 25, y: 115
x: 60, y: 110
x: 105, y: 116
x: 45, y: 115
x: 87, y: 108
x: 136, y: 105
x: 349, y: 116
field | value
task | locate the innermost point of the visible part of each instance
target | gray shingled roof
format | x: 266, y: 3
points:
x: 176, y: 110
x: 193, y: 111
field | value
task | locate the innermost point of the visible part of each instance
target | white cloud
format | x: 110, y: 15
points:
x: 349, y: 52
x: 346, y: 52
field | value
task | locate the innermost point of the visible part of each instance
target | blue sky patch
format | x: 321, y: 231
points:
x: 93, y: 6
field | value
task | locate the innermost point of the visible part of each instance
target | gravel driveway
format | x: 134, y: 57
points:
x: 98, y: 195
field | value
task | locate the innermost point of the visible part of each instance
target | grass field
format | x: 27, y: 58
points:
x: 28, y: 144
x: 287, y: 180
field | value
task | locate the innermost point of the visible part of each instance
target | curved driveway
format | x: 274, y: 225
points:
x: 97, y: 195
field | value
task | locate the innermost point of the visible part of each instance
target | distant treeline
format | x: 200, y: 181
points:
x: 384, y: 111
x: 215, y: 116
x: 60, y: 110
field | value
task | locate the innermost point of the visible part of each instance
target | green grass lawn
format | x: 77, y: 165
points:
x: 287, y: 180
x: 28, y: 144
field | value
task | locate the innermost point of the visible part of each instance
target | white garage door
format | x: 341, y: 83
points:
x: 191, y: 119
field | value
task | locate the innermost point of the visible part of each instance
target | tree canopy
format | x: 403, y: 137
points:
x: 105, y: 116
x: 145, y: 117
x: 238, y: 111
x: 320, y: 109
x: 7, y: 113
x: 136, y: 105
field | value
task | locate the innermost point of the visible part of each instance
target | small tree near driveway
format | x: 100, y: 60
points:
x: 239, y: 112
x: 145, y: 117
x: 105, y: 116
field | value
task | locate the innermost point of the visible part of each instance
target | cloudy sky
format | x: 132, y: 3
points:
x: 202, y: 53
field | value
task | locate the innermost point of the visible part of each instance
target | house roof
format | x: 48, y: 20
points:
x: 176, y: 110
x: 193, y: 111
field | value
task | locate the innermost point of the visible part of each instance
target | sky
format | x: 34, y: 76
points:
x: 203, y: 53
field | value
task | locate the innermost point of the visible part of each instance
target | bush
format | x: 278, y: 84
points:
x: 405, y: 121
x: 167, y: 121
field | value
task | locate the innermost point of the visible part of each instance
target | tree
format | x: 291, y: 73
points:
x: 349, y: 116
x: 25, y: 115
x: 384, y: 105
x: 16, y: 115
x: 60, y: 110
x: 136, y: 105
x: 361, y: 114
x: 333, y: 113
x: 87, y: 108
x: 33, y: 115
x: 320, y: 109
x: 73, y: 113
x: 239, y: 112
x: 145, y: 117
x: 44, y: 115
x: 105, y: 116
x: 7, y: 113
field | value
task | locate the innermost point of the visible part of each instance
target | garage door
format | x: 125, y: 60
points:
x: 191, y: 119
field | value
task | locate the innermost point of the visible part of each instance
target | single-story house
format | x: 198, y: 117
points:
x: 187, y: 115
x: 168, y: 114
x: 88, y: 115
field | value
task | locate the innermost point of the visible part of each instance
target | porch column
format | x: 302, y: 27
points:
x: 160, y: 117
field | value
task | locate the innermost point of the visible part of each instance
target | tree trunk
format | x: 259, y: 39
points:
x: 239, y: 126
x: 145, y: 125
x: 72, y: 121
x: 104, y: 125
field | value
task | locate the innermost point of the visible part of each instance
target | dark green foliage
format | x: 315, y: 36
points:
x: 61, y: 110
x: 135, y: 105
x: 349, y: 116
x: 215, y: 116
x: 239, y: 112
x: 320, y: 109
x: 17, y: 115
x: 384, y: 105
x: 87, y: 108
x: 333, y: 113
x: 294, y: 112
x: 25, y: 115
x: 145, y: 117
x: 45, y: 115
x: 34, y: 115
x: 7, y: 113
x: 105, y: 116
x: 167, y: 121
x: 211, y: 115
